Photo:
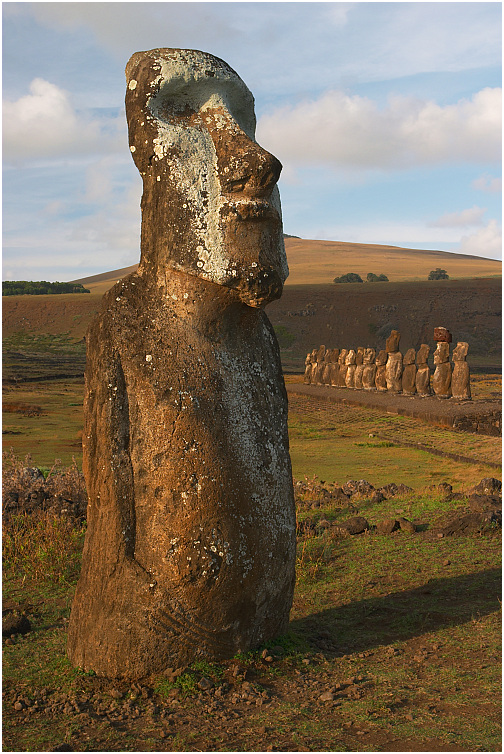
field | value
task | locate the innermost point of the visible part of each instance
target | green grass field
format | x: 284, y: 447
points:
x: 402, y: 631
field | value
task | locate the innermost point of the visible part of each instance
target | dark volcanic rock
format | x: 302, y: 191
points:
x: 354, y: 525
x: 15, y: 623
x: 190, y: 544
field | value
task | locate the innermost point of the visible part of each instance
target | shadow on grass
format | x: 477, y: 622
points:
x: 440, y: 603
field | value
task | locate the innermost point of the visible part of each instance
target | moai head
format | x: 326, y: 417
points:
x: 442, y: 353
x: 409, y: 357
x: 321, y: 354
x: 460, y: 351
x: 359, y: 357
x: 313, y: 356
x: 350, y: 358
x: 392, y: 343
x: 210, y: 206
x: 342, y: 356
x: 334, y: 355
x: 423, y: 354
x: 381, y: 359
x: 369, y: 355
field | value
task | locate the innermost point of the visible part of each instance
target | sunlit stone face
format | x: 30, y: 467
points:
x: 210, y: 207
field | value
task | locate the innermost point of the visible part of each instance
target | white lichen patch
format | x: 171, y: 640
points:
x: 132, y: 85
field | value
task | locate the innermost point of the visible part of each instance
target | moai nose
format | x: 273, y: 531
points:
x: 244, y: 167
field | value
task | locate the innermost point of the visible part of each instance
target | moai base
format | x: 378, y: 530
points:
x: 190, y: 546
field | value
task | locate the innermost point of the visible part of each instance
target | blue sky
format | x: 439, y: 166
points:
x: 385, y: 116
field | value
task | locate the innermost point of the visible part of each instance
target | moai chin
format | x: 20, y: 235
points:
x: 408, y: 380
x: 441, y: 379
x: 422, y: 379
x: 190, y: 547
x: 460, y: 380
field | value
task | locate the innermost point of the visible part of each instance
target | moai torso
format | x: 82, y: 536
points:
x: 369, y: 373
x: 460, y: 380
x: 422, y: 378
x: 441, y: 379
x: 190, y: 545
x: 408, y: 380
x: 309, y: 362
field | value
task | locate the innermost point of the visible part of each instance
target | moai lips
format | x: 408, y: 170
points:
x: 190, y: 546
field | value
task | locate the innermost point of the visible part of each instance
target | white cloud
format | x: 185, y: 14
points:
x: 462, y: 219
x: 486, y: 242
x: 43, y: 124
x: 488, y: 183
x: 353, y: 132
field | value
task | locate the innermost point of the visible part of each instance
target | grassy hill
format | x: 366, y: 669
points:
x: 45, y: 333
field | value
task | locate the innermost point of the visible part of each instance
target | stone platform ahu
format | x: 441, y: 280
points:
x: 190, y: 547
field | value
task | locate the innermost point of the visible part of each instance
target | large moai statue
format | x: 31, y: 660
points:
x: 190, y: 545
x: 460, y: 380
x: 408, y: 380
x: 393, y: 370
x: 334, y: 374
x: 326, y: 371
x: 319, y: 366
x: 308, y: 367
x: 381, y: 377
x: 441, y: 379
x: 359, y: 368
x: 422, y: 378
x: 369, y: 373
x: 342, y: 367
x: 350, y: 368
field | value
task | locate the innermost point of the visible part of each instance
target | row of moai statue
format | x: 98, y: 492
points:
x: 389, y: 370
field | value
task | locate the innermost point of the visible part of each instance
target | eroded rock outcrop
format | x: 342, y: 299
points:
x: 190, y: 546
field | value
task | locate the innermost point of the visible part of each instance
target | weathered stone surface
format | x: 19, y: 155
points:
x: 334, y: 373
x: 422, y: 354
x: 319, y: 367
x: 190, y: 545
x: 308, y: 369
x: 381, y: 378
x: 489, y: 486
x: 442, y: 335
x: 326, y: 371
x: 359, y: 368
x: 354, y: 525
x: 342, y: 367
x: 369, y: 371
x: 422, y: 377
x: 392, y: 342
x: 408, y: 379
x: 460, y: 381
x: 393, y: 372
x: 441, y: 379
x: 387, y: 526
x: 350, y: 368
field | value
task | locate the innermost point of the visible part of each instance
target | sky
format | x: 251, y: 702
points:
x: 385, y: 116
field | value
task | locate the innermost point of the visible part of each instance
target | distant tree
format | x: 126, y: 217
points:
x: 372, y: 278
x: 438, y: 274
x: 350, y: 277
x: 39, y: 287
